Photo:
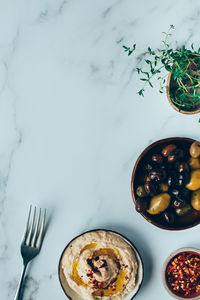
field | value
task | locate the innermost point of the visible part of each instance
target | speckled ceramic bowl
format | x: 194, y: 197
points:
x: 164, y: 270
x: 74, y: 296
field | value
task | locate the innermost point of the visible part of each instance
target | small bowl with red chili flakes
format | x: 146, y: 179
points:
x: 181, y: 274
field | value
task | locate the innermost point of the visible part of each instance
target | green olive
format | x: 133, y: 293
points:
x: 195, y: 201
x: 159, y: 203
x: 194, y: 163
x: 141, y: 191
x: 194, y: 183
x: 184, y: 210
x: 195, y: 149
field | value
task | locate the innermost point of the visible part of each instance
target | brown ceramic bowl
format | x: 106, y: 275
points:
x: 195, y: 251
x: 169, y: 86
x: 189, y: 220
x: 74, y: 296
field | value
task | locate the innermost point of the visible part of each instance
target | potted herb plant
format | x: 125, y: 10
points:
x: 182, y: 68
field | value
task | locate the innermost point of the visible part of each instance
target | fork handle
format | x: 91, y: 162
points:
x: 19, y: 287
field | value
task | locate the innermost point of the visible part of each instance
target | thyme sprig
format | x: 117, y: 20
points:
x: 183, y: 63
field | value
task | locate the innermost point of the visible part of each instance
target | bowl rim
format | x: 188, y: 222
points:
x: 185, y: 112
x: 144, y: 152
x: 173, y: 254
x: 106, y: 230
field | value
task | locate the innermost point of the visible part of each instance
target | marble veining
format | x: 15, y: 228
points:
x: 72, y: 126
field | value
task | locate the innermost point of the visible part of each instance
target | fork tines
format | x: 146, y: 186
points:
x: 33, y: 234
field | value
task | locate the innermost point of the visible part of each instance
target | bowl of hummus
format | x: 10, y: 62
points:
x: 100, y: 264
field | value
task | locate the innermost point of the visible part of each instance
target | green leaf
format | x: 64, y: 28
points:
x: 150, y: 84
x: 126, y: 49
x: 146, y: 73
x: 141, y: 92
x: 138, y: 70
x: 143, y: 79
x: 148, y: 61
x: 133, y: 48
x: 168, y: 68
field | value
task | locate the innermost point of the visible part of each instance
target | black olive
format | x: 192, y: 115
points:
x: 163, y: 167
x: 141, y: 205
x: 186, y: 194
x: 157, y: 174
x: 175, y: 155
x: 157, y: 158
x: 167, y: 150
x: 178, y: 203
x: 169, y: 217
x: 186, y: 177
x: 176, y: 192
x: 151, y: 188
x: 182, y: 167
x: 179, y: 179
x: 182, y: 178
x: 171, y: 181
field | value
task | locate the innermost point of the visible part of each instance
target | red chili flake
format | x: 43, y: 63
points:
x: 117, y: 259
x: 126, y: 277
x: 181, y: 257
x: 183, y: 273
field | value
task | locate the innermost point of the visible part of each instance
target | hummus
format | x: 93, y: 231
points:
x: 100, y: 265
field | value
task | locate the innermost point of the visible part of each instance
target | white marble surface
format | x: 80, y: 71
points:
x: 72, y: 126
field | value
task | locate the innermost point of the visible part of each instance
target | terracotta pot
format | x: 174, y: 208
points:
x: 169, y: 80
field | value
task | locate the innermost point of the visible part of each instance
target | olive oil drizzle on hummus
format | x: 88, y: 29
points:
x: 101, y: 288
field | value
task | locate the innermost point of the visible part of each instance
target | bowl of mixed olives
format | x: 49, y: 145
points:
x: 166, y: 183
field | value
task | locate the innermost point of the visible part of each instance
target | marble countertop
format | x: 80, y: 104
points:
x: 72, y: 126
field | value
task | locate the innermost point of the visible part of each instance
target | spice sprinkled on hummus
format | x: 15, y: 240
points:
x: 100, y: 265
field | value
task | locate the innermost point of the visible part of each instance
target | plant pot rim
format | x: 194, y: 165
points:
x: 172, y: 104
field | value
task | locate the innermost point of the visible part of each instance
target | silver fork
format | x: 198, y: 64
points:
x: 31, y: 243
